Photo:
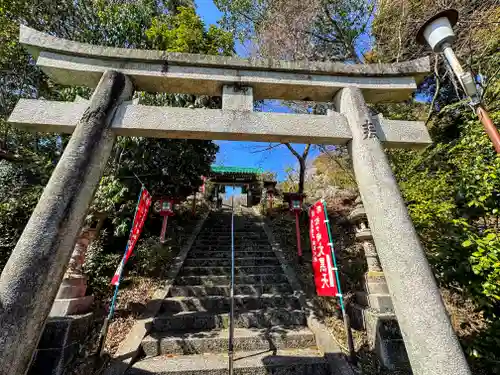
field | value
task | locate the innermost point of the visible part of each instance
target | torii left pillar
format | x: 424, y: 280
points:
x: 33, y: 273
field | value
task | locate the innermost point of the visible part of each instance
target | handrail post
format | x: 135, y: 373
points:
x: 231, y: 313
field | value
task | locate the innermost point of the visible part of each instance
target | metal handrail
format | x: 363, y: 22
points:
x: 231, y: 294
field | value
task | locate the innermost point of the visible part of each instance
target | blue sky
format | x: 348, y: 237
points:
x: 246, y: 154
x: 208, y: 11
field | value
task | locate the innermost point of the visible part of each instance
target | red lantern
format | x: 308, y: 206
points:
x: 167, y: 207
x: 295, y: 202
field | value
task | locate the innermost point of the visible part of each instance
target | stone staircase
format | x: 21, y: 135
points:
x: 191, y: 333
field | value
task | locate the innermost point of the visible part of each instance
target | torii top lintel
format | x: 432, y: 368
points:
x: 72, y: 63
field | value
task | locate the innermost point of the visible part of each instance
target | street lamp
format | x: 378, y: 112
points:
x: 438, y: 33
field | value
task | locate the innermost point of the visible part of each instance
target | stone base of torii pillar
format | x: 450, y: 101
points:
x: 373, y: 310
x: 70, y: 317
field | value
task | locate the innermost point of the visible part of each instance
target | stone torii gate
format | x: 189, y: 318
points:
x: 31, y: 278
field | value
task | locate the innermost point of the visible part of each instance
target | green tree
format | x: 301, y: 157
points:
x: 185, y: 32
x: 172, y: 6
x: 168, y: 166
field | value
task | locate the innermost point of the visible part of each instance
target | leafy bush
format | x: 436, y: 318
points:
x: 486, y: 261
x: 152, y: 258
x: 100, y: 265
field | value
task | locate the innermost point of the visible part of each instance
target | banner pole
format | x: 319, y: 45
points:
x: 347, y: 323
x: 105, y: 326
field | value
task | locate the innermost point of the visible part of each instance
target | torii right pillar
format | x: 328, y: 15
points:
x: 431, y: 343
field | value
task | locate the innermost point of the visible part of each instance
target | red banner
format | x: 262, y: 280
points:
x: 322, y: 261
x: 140, y: 217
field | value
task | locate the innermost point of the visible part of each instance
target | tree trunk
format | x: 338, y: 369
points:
x: 302, y: 162
x: 302, y: 175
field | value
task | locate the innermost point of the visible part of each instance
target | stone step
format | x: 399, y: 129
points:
x: 227, y: 242
x: 188, y: 321
x: 226, y: 279
x: 223, y: 304
x: 195, y: 254
x: 217, y: 341
x: 239, y: 226
x: 227, y: 246
x: 214, y: 245
x: 228, y: 249
x: 281, y: 362
x: 242, y: 262
x: 224, y: 290
x: 212, y: 233
x: 238, y: 233
x: 223, y: 271
x: 260, y: 233
x: 227, y: 237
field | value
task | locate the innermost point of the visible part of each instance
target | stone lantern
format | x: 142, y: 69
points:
x: 373, y: 309
x: 71, y: 298
x: 71, y: 313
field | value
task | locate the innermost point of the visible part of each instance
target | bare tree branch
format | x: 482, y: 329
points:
x: 302, y: 164
x: 268, y: 148
x: 400, y: 39
x: 320, y: 37
x: 306, y: 151
x: 292, y: 150
x: 290, y: 176
x: 347, y: 43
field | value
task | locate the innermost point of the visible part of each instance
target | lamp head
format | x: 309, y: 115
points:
x: 438, y: 30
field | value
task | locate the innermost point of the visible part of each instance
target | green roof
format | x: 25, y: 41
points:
x: 223, y: 169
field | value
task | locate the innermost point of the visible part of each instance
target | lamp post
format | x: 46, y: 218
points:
x: 295, y: 203
x: 438, y: 33
x: 166, y: 210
